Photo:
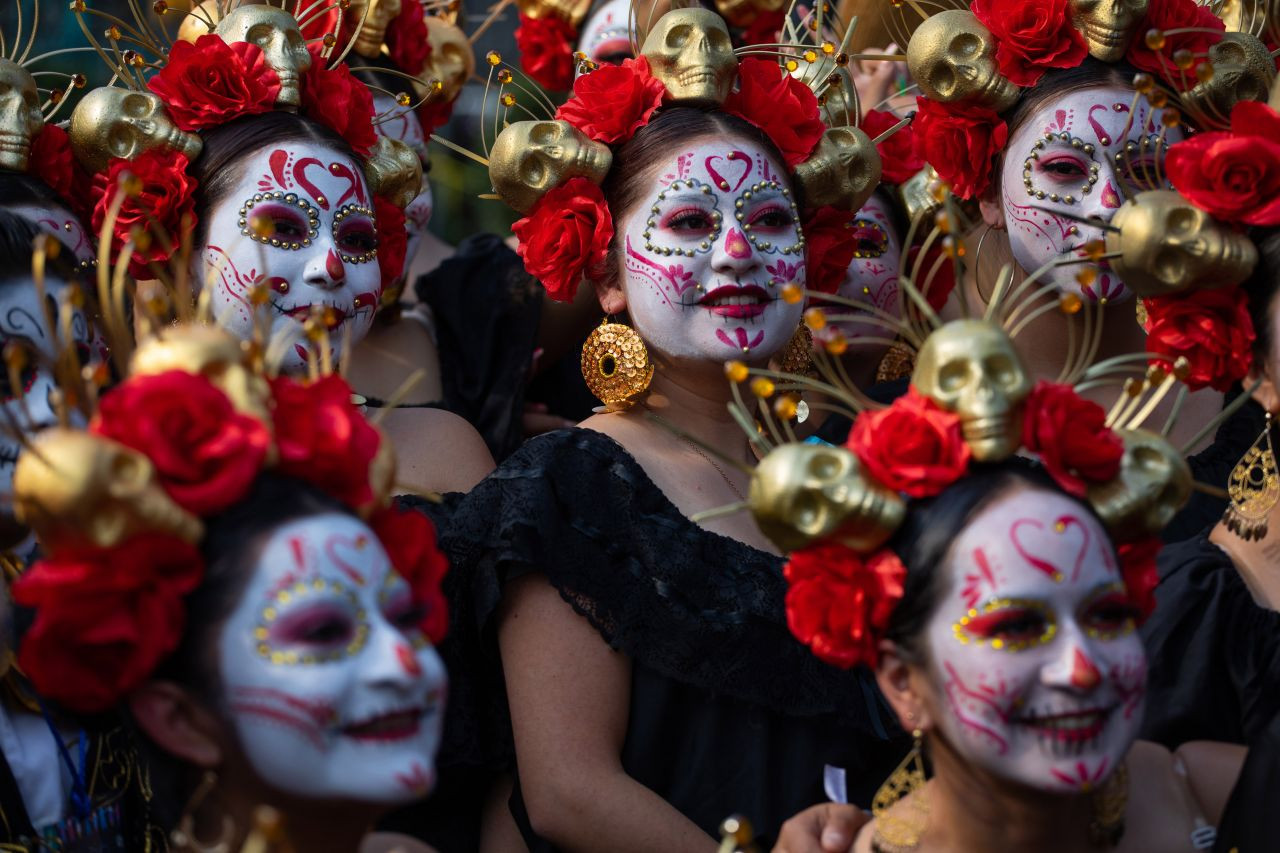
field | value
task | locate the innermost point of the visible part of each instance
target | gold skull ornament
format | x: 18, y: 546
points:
x: 210, y: 352
x: 952, y: 56
x: 81, y: 490
x: 110, y: 122
x: 917, y: 199
x: 1107, y: 25
x: 843, y: 170
x: 200, y: 21
x: 452, y: 60
x: 276, y: 32
x: 803, y: 493
x: 394, y: 171
x: 374, y: 29
x: 20, y: 116
x: 971, y: 368
x: 836, y: 100
x: 1243, y: 70
x: 1153, y: 484
x: 531, y: 157
x: 572, y: 12
x: 1164, y: 245
x: 690, y: 51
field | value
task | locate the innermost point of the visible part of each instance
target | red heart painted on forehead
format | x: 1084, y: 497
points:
x: 354, y: 556
x: 734, y: 160
x: 1034, y: 540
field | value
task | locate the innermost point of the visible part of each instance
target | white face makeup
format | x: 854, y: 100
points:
x: 403, y: 125
x: 333, y: 691
x: 873, y: 275
x: 707, y: 252
x: 605, y: 38
x: 323, y: 251
x: 1041, y: 675
x: 63, y: 225
x: 1078, y: 156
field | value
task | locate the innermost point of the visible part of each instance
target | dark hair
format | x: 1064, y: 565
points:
x: 17, y: 233
x: 1261, y: 288
x: 932, y: 526
x: 18, y: 189
x: 227, y: 144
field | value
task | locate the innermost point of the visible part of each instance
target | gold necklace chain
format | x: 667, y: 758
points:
x: 698, y: 450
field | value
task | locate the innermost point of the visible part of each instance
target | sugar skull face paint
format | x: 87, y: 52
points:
x: 605, y: 37
x: 331, y: 688
x: 1078, y: 155
x: 1040, y: 674
x: 873, y: 275
x: 63, y: 225
x: 708, y: 251
x: 321, y: 253
x: 402, y: 124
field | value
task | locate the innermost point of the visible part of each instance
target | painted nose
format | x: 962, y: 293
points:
x: 390, y: 659
x: 326, y: 271
x: 734, y: 256
x: 1074, y: 668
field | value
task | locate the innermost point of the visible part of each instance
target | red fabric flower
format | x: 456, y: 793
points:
x: 1071, y: 436
x: 1234, y: 176
x: 765, y: 28
x: 1032, y: 36
x: 434, y: 115
x: 1165, y: 15
x: 780, y: 105
x: 406, y: 39
x: 912, y: 446
x: 829, y: 245
x: 323, y: 438
x: 162, y: 212
x: 546, y: 51
x: 611, y: 103
x: 566, y: 235
x: 393, y: 241
x: 410, y: 540
x: 898, y: 158
x: 1138, y: 569
x: 961, y: 142
x: 211, y: 82
x: 206, y: 453
x: 1211, y: 328
x: 838, y: 604
x: 105, y: 620
x: 336, y: 99
x: 53, y: 162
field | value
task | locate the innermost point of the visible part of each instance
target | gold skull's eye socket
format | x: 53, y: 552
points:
x: 678, y: 35
x: 135, y: 106
x: 532, y: 171
x: 806, y: 511
x: 1168, y: 265
x: 1149, y: 460
x: 544, y: 133
x: 953, y: 376
x: 719, y: 40
x: 260, y: 35
x: 608, y: 366
x: 967, y: 45
x: 1002, y: 369
x: 1182, y: 220
x: 120, y: 140
x: 825, y: 466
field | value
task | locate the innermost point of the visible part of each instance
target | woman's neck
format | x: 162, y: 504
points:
x: 694, y: 397
x: 307, y: 824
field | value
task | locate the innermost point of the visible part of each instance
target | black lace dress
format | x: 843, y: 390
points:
x: 728, y: 713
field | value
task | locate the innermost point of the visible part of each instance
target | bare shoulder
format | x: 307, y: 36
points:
x: 1161, y: 814
x: 436, y: 451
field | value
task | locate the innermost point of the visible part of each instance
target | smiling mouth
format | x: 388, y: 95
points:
x: 1068, y: 733
x: 387, y: 728
x: 332, y: 315
x: 736, y: 301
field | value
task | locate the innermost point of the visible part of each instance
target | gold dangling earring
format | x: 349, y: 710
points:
x: 902, y: 833
x: 184, y: 836
x: 797, y: 355
x: 615, y: 365
x: 1254, y: 488
x: 1106, y: 826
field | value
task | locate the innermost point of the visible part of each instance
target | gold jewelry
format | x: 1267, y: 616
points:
x: 898, y: 363
x: 184, y: 836
x: 797, y: 355
x: 899, y: 833
x: 698, y: 450
x: 1254, y: 488
x: 615, y: 365
x: 1109, y: 803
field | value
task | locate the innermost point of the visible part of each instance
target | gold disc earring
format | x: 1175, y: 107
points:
x: 901, y: 833
x: 1254, y: 488
x: 615, y: 365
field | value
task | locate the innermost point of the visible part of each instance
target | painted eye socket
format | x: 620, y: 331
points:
x: 288, y: 222
x: 690, y: 220
x: 870, y: 238
x: 357, y: 236
x: 1011, y: 624
x: 1064, y: 168
x: 406, y: 615
x: 1110, y: 615
x: 1007, y: 624
x: 321, y: 626
x: 773, y: 217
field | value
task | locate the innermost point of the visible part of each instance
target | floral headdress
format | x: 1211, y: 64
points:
x: 973, y: 64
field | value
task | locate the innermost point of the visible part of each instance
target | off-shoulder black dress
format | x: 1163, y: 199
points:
x: 728, y: 712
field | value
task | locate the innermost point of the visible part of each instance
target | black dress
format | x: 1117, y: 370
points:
x: 1214, y: 654
x: 728, y: 712
x: 1251, y: 822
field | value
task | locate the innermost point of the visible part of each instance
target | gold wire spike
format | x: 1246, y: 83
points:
x: 1254, y: 488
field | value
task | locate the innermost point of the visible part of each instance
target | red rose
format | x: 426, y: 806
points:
x: 1165, y: 15
x: 410, y: 540
x: 105, y: 620
x: 1138, y: 569
x: 52, y: 162
x: 211, y: 82
x: 162, y: 212
x: 1234, y: 176
x: 336, y: 99
x: 323, y: 438
x: 898, y: 158
x: 912, y: 446
x: 1032, y: 36
x: 839, y: 605
x: 206, y: 453
x: 1071, y: 436
x: 780, y: 105
x: 611, y: 103
x: 546, y: 51
x: 1210, y: 327
x: 829, y: 245
x: 960, y: 141
x: 393, y: 241
x: 566, y: 235
x: 765, y: 28
x: 406, y: 39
